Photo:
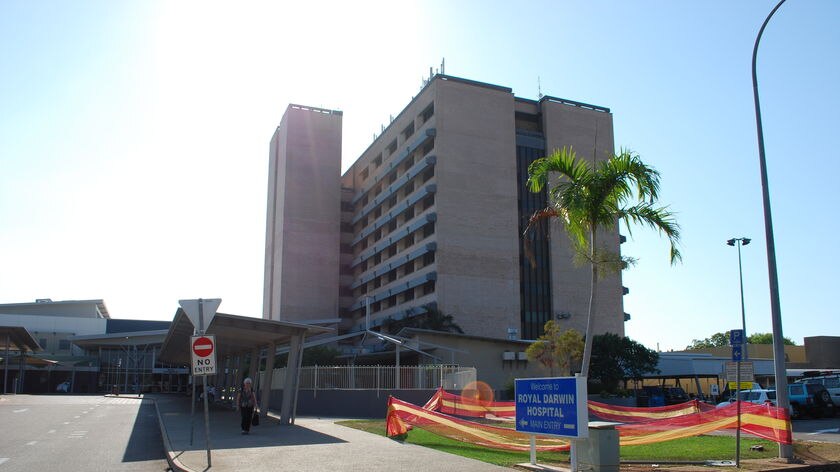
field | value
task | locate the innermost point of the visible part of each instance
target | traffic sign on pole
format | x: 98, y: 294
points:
x: 203, y: 350
x: 200, y: 311
x: 737, y: 353
x: 736, y: 337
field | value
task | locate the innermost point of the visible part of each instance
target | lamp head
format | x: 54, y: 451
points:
x: 745, y: 241
x: 731, y: 242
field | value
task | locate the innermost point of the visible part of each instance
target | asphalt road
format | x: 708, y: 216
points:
x: 824, y: 429
x: 66, y: 432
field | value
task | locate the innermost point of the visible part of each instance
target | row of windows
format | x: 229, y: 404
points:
x: 392, y: 275
x: 406, y: 133
x: 394, y: 300
x: 397, y: 172
x: 396, y: 222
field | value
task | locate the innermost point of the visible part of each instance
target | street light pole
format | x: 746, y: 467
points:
x: 785, y: 450
x: 741, y: 242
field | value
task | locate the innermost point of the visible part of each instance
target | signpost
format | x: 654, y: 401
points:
x: 203, y: 349
x: 736, y: 340
x: 553, y: 406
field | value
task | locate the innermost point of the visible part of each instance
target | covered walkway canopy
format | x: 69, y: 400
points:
x: 238, y: 336
x: 21, y: 340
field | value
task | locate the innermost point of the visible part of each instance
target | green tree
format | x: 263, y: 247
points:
x: 556, y: 348
x: 767, y: 338
x: 715, y: 340
x: 590, y: 198
x: 616, y: 358
x: 722, y: 339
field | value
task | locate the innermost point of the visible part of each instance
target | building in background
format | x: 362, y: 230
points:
x: 85, y: 351
x: 431, y: 215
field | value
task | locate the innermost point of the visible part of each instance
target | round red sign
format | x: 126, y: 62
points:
x: 202, y: 347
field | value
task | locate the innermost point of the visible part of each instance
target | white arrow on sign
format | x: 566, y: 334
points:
x: 208, y: 310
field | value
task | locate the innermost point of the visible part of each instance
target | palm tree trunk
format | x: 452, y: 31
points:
x: 587, y: 347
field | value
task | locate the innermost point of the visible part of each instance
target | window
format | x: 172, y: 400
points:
x: 347, y: 206
x: 377, y: 235
x: 428, y: 174
x: 409, y: 268
x: 429, y: 287
x: 408, y: 294
x: 428, y: 258
x: 408, y: 163
x: 364, y: 174
x: 409, y: 187
x: 408, y: 131
x: 427, y: 148
x: 392, y: 148
x: 376, y: 306
x: 428, y: 202
x: 392, y: 251
x: 392, y: 202
x: 409, y: 214
x: 392, y: 225
x: 392, y: 177
x: 377, y: 258
x: 346, y: 249
x: 377, y: 282
x: 392, y: 276
x: 427, y: 114
x: 377, y: 161
x: 64, y: 344
x: 428, y: 230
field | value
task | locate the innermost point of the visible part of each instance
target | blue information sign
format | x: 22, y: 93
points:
x: 737, y: 353
x: 555, y: 406
x: 736, y: 337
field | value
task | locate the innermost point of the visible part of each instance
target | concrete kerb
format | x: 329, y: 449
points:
x: 174, y: 463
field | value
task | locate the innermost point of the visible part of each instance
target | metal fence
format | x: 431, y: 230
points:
x: 379, y: 377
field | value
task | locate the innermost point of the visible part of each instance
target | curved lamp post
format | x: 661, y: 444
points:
x: 785, y: 450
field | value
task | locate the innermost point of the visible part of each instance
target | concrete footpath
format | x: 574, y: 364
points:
x: 312, y: 444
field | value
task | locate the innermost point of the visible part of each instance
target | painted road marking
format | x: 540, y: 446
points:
x: 821, y: 431
x: 20, y: 411
x: 76, y: 417
x: 77, y: 435
x: 3, y: 459
x: 32, y: 443
x: 66, y: 422
x: 50, y: 431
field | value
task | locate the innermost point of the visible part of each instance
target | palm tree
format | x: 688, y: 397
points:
x: 589, y: 198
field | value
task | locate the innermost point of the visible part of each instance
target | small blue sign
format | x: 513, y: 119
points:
x: 554, y: 406
x: 737, y: 353
x: 736, y: 337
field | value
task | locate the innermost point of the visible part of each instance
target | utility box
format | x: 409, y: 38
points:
x: 600, y: 452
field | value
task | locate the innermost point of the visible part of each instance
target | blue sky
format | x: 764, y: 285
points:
x: 134, y: 137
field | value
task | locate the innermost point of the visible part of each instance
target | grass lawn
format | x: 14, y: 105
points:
x: 687, y: 449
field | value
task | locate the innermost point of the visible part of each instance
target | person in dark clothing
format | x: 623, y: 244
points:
x: 246, y: 401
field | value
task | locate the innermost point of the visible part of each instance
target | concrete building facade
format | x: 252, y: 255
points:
x: 432, y: 214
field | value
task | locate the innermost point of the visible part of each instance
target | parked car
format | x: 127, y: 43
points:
x: 63, y: 387
x: 758, y: 396
x: 830, y: 381
x: 810, y: 399
x: 649, y: 396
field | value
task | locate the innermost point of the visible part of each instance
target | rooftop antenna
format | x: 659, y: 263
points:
x: 539, y: 89
x: 443, y: 66
x: 430, y: 73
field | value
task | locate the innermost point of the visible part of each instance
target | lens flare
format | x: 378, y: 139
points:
x: 479, y: 392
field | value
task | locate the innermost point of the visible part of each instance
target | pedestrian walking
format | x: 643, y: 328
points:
x: 246, y: 402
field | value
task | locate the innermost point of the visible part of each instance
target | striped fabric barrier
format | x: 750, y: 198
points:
x: 765, y: 421
x: 458, y: 405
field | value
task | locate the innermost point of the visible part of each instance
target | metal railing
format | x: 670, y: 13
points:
x: 379, y: 377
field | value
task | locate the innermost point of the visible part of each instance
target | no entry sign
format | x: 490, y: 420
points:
x: 203, y: 355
